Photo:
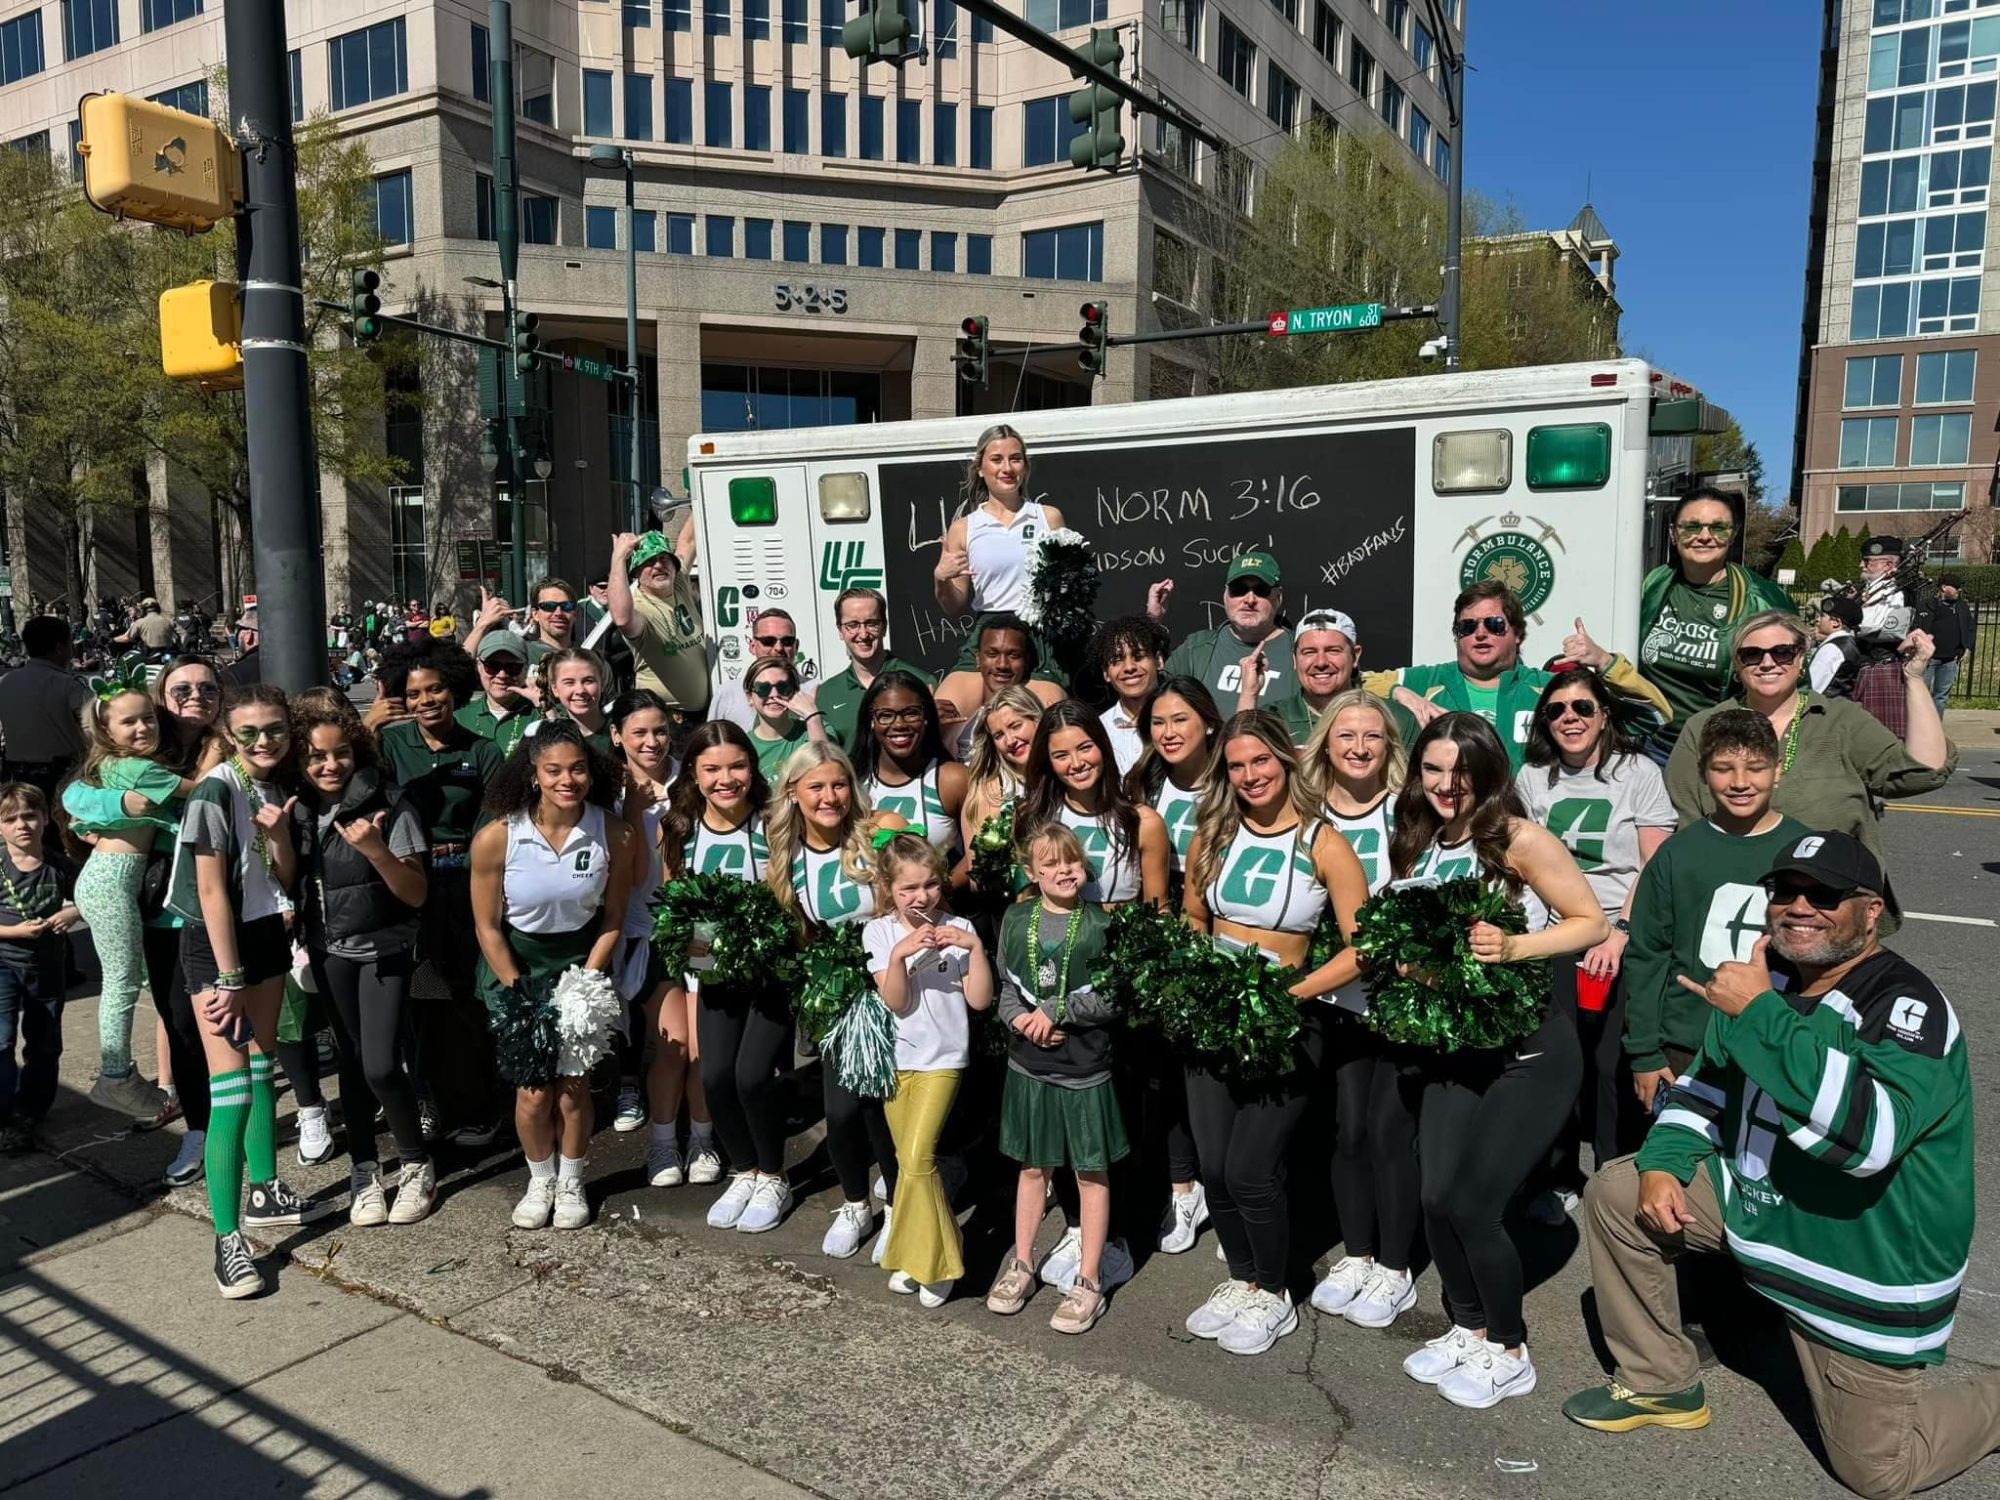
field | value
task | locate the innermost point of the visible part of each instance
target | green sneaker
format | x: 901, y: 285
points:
x: 1613, y: 1408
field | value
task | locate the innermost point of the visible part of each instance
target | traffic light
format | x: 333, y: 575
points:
x: 1099, y: 145
x: 885, y: 31
x: 201, y: 334
x: 363, y: 304
x: 974, y: 348
x: 148, y: 161
x: 527, y: 341
x: 1094, y: 335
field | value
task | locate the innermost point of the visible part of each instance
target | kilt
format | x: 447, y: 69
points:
x: 1879, y: 689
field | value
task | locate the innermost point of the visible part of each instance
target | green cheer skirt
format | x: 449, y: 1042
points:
x: 1046, y: 1125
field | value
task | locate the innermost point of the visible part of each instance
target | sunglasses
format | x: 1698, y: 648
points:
x: 557, y: 606
x: 784, y: 642
x: 250, y: 734
x: 764, y: 691
x: 182, y: 692
x: 1784, y: 656
x: 512, y: 665
x: 1584, y: 708
x: 1784, y: 892
x: 1722, y: 531
x: 1491, y: 624
x: 888, y: 716
x: 1244, y: 586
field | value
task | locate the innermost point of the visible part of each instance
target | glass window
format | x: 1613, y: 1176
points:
x: 721, y: 236
x: 868, y: 241
x: 1281, y: 97
x: 680, y: 111
x: 715, y: 17
x: 1940, y: 438
x: 89, y: 26
x: 756, y: 117
x: 982, y: 137
x: 1420, y: 133
x: 756, y: 20
x: 679, y: 14
x: 296, y: 84
x: 482, y: 210
x: 1289, y: 9
x: 744, y: 398
x: 482, y: 64
x: 719, y: 105
x: 798, y: 240
x: 645, y: 230
x: 832, y: 16
x: 1391, y: 106
x: 798, y: 132
x: 1236, y: 58
x: 367, y: 65
x: 795, y: 20
x: 1326, y: 32
x: 680, y: 234
x: 832, y: 124
x: 979, y: 255
x: 873, y: 116
x: 756, y: 239
x: 1397, y: 14
x: 1945, y: 377
x: 982, y: 32
x: 944, y: 250
x: 538, y: 219
x: 1074, y: 252
x: 597, y: 103
x: 191, y: 97
x: 1064, y: 15
x: 909, y: 130
x: 638, y: 13
x: 833, y: 244
x: 639, y: 106
x: 909, y: 249
x: 1875, y: 380
x: 600, y: 228
x: 391, y: 194
x: 1423, y: 49
x: 75, y: 156
x: 944, y: 28
x: 535, y: 85
x: 153, y: 14
x: 944, y: 135
x: 1921, y: 495
x: 1182, y: 21
x: 1046, y: 131
x: 1441, y: 159
x: 1361, y: 71
x: 1868, y: 443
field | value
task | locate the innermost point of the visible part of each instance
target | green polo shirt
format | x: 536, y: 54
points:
x: 839, y: 698
x: 505, y: 733
x: 446, y: 785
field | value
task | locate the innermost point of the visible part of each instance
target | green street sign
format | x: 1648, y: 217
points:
x: 1348, y: 318
x: 596, y: 369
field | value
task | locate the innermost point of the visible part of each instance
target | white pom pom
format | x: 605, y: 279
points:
x: 1030, y: 609
x: 587, y: 1007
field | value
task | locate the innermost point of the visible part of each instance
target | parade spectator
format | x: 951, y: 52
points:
x: 40, y: 704
x: 1836, y: 660
x: 862, y: 617
x: 1254, y: 636
x: 774, y: 636
x: 35, y: 913
x: 1130, y: 654
x: 1326, y: 652
x: 1008, y: 656
x: 248, y: 668
x: 786, y: 718
x: 1952, y: 628
x: 655, y: 607
x: 506, y: 705
x: 151, y: 630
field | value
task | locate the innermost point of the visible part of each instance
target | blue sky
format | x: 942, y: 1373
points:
x: 1690, y: 126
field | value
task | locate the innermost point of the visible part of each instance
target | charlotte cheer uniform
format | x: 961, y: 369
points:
x: 640, y: 970
x: 1176, y: 810
x: 997, y: 553
x: 1269, y: 881
x: 919, y: 802
x: 1368, y: 835
x: 1113, y: 862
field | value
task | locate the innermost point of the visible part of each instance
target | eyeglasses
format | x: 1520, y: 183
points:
x: 763, y: 691
x: 556, y: 606
x: 1244, y: 586
x: 511, y: 665
x: 250, y: 734
x: 1784, y: 656
x: 1722, y: 531
x: 887, y: 716
x: 1491, y: 624
x: 783, y: 642
x: 854, y: 627
x: 1583, y: 708
x: 181, y: 692
x: 1784, y: 892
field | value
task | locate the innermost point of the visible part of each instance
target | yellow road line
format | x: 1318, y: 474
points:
x: 1945, y: 809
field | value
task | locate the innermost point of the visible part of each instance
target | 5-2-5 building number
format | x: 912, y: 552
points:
x: 812, y: 299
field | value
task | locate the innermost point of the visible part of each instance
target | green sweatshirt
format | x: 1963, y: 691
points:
x: 1698, y: 904
x: 1515, y: 695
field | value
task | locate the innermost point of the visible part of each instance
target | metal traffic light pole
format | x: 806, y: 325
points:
x: 507, y: 229
x: 277, y: 416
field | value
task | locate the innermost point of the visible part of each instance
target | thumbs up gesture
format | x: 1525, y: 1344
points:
x: 1581, y: 649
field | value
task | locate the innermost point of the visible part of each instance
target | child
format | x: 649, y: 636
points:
x: 34, y: 915
x: 929, y: 967
x: 1700, y: 901
x: 1059, y: 1108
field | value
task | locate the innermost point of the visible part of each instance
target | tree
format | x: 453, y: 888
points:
x: 1793, y: 557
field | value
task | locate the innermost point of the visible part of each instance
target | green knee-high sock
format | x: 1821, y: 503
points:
x: 228, y: 1111
x: 260, y: 1134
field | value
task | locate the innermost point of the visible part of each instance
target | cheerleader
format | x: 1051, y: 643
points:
x: 1072, y: 779
x: 997, y: 764
x: 900, y: 752
x: 1356, y: 757
x: 550, y: 875
x: 823, y: 871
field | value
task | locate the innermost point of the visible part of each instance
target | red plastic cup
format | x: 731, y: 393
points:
x: 1592, y: 993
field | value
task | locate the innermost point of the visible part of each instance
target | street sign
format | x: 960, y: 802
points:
x: 596, y: 369
x: 1350, y: 317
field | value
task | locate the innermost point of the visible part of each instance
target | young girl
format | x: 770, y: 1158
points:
x: 787, y: 717
x: 232, y: 868
x: 823, y: 871
x: 1488, y: 1117
x: 550, y: 876
x: 1262, y: 871
x: 1072, y: 779
x: 715, y: 825
x: 361, y: 848
x: 34, y: 915
x: 899, y: 750
x: 573, y: 683
x: 1181, y: 726
x: 1059, y: 1108
x: 929, y: 967
x: 1356, y: 757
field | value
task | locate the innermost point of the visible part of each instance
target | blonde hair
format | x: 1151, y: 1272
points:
x: 984, y: 763
x: 974, y: 489
x: 1066, y: 845
x: 1316, y: 760
x: 1218, y: 814
x: 785, y: 820
x: 97, y: 742
x: 906, y: 848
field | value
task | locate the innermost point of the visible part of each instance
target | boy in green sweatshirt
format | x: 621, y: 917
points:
x: 1700, y: 901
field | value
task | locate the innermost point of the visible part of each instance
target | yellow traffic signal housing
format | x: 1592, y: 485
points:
x: 142, y: 160
x: 201, y: 334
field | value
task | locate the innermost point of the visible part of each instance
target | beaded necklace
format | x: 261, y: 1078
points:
x: 14, y: 895
x: 247, y: 784
x: 1792, y: 735
x: 1043, y: 978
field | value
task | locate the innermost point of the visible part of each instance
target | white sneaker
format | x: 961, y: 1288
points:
x: 416, y: 1194
x: 1342, y: 1283
x: 1442, y: 1355
x: 1263, y: 1319
x: 903, y: 1284
x: 315, y: 1137
x: 727, y: 1209
x: 1551, y: 1210
x: 704, y: 1166
x: 369, y: 1206
x: 1488, y: 1377
x: 934, y: 1293
x: 851, y: 1223
x: 769, y: 1202
x: 1185, y: 1216
x: 532, y: 1212
x: 881, y: 1188
x: 1219, y: 1311
x: 1059, y: 1268
x: 572, y: 1207
x: 663, y: 1165
x: 1383, y: 1298
x: 882, y: 1240
x: 1220, y: 1253
x: 631, y: 1112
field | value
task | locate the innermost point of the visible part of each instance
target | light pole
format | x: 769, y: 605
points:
x: 621, y: 156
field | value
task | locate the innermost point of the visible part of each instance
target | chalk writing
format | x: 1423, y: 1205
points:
x: 1361, y: 551
x: 1275, y: 493
x: 1161, y: 507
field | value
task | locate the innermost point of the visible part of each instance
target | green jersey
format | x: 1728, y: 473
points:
x: 1215, y: 659
x: 1687, y: 635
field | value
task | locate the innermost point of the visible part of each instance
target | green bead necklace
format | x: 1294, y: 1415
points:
x: 1058, y: 977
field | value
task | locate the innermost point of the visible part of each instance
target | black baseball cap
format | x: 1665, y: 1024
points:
x: 1838, y: 861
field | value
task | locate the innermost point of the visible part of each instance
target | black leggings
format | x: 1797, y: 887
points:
x: 454, y: 1038
x: 1375, y: 1147
x: 1607, y: 1112
x: 1488, y: 1120
x: 170, y: 998
x: 1241, y: 1133
x: 367, y: 998
x: 746, y: 1043
x: 856, y: 1129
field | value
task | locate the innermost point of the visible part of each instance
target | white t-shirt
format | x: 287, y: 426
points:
x: 935, y: 1035
x: 1826, y: 660
x: 1599, y: 821
x: 1128, y: 740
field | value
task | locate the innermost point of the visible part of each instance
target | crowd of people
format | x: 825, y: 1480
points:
x: 1693, y: 841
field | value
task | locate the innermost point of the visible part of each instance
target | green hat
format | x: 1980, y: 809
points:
x: 1254, y: 565
x: 652, y: 546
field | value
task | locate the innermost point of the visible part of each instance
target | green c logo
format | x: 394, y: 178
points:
x: 728, y: 606
x: 1253, y: 877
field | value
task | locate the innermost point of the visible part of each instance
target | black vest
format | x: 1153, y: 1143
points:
x: 342, y: 894
x: 1841, y: 684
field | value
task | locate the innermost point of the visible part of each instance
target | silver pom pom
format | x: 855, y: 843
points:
x: 587, y: 1007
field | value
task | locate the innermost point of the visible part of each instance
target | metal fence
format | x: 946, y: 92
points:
x: 1980, y: 676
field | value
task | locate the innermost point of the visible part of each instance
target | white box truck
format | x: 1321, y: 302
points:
x: 1380, y: 498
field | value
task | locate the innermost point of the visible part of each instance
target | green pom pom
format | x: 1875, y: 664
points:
x: 834, y: 975
x: 1459, y: 1003
x: 994, y: 875
x: 751, y: 939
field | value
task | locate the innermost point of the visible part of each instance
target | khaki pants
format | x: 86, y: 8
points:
x: 1886, y: 1435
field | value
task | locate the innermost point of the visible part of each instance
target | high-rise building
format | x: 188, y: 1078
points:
x: 810, y: 232
x: 1899, y: 367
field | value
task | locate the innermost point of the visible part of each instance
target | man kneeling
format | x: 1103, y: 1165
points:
x: 1823, y: 1138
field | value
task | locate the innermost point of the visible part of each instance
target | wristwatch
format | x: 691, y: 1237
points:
x: 1619, y: 924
